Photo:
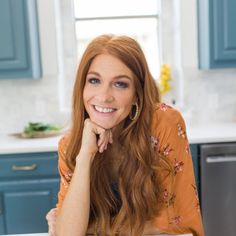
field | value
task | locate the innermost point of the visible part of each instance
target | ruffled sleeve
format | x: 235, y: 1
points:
x: 180, y: 211
x: 64, y: 171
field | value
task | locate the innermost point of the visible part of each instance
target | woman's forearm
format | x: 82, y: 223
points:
x: 150, y: 229
x: 74, y: 215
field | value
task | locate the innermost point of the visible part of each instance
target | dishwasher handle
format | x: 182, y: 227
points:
x: 217, y: 159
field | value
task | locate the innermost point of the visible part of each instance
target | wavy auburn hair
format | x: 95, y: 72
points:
x: 138, y: 179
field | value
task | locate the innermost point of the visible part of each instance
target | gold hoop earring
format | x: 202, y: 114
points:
x: 136, y: 112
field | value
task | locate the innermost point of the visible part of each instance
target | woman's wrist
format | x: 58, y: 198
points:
x: 84, y: 157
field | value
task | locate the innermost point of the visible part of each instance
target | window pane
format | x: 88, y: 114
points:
x: 144, y: 30
x: 99, y: 8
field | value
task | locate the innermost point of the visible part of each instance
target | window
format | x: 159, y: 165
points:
x: 135, y: 18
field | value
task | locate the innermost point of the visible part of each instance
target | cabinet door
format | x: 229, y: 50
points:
x: 2, y: 231
x: 19, y: 41
x: 217, y: 33
x: 195, y: 156
x: 26, y: 202
x: 28, y: 165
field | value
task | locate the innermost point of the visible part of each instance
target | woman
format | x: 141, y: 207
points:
x: 125, y: 165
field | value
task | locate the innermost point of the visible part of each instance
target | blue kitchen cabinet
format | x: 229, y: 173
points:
x: 217, y: 34
x: 19, y: 40
x: 196, y: 160
x: 1, y: 217
x: 29, y: 184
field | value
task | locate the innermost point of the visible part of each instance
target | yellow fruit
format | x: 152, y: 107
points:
x: 165, y: 78
x: 162, y: 83
x: 165, y: 72
x: 165, y: 66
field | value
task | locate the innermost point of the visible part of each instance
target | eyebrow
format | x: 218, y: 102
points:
x: 116, y: 77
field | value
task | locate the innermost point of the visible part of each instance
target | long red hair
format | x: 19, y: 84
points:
x: 138, y: 179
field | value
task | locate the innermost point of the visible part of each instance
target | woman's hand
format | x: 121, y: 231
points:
x: 51, y: 219
x: 95, y: 138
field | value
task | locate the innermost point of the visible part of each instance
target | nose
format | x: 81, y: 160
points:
x: 105, y: 94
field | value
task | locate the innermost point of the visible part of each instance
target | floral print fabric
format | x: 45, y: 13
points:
x: 180, y: 212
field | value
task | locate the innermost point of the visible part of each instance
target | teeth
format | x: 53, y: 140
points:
x: 104, y: 110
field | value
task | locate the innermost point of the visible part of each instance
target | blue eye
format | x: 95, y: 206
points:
x: 121, y: 85
x: 93, y: 81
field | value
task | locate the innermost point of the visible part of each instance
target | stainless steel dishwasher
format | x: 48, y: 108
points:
x: 218, y: 188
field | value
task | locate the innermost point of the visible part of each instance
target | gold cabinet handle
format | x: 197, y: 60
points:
x: 24, y: 168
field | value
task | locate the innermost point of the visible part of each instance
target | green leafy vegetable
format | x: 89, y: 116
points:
x: 38, y: 126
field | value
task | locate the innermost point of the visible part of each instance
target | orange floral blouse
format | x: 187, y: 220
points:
x: 180, y: 212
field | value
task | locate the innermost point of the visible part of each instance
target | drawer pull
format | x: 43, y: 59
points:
x: 24, y: 168
x: 221, y: 159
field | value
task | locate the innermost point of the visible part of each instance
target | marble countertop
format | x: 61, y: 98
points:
x: 212, y: 133
x: 10, y: 144
x: 205, y: 133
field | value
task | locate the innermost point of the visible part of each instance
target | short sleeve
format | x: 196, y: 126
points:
x: 64, y: 171
x: 180, y: 212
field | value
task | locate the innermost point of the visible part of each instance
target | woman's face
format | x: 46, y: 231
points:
x: 109, y: 91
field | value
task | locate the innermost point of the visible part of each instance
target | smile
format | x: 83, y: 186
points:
x: 104, y: 109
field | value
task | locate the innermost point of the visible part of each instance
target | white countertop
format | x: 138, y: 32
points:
x: 11, y: 144
x: 212, y: 133
x: 205, y: 133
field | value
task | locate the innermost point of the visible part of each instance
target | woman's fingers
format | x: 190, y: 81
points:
x: 102, y: 148
x: 95, y: 137
x: 51, y: 218
x: 51, y: 214
x: 110, y: 137
x: 104, y: 139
